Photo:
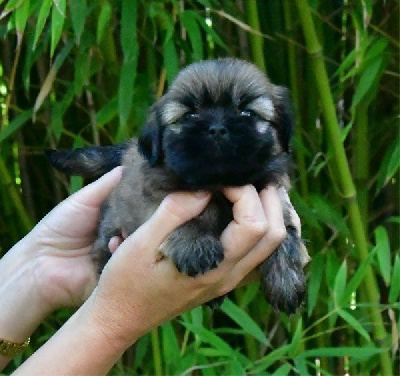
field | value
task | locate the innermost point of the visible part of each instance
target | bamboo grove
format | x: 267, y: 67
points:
x: 76, y: 73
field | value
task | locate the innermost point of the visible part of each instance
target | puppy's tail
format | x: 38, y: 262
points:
x: 89, y: 162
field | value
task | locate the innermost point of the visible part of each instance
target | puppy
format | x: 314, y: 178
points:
x: 221, y: 123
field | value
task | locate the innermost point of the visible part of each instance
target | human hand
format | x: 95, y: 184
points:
x: 58, y: 249
x: 137, y: 291
x: 51, y: 267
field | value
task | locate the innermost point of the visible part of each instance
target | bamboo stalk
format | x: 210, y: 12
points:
x: 15, y: 197
x: 155, y: 340
x: 256, y: 41
x: 361, y: 156
x: 345, y: 178
x: 293, y: 73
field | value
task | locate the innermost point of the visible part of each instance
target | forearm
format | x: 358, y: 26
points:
x: 80, y: 347
x: 21, y: 309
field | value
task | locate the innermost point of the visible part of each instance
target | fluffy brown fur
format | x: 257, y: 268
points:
x: 222, y: 123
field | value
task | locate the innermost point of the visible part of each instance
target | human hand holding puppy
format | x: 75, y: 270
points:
x: 137, y: 291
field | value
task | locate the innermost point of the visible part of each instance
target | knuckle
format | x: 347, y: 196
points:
x: 258, y: 227
x: 225, y: 289
x: 279, y: 234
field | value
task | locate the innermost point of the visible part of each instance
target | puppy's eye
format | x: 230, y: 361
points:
x: 247, y: 113
x: 191, y: 116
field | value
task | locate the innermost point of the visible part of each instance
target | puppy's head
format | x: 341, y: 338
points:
x: 220, y: 123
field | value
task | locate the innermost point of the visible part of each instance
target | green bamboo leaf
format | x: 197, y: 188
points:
x: 296, y: 340
x: 103, y: 20
x: 142, y: 348
x: 15, y: 124
x: 128, y: 72
x: 354, y: 324
x: 394, y: 290
x: 328, y: 214
x: 197, y: 316
x: 340, y: 283
x: 368, y: 80
x: 166, y: 23
x: 376, y: 50
x: 48, y: 82
x: 41, y: 21
x: 303, y: 209
x: 57, y: 23
x: 394, y: 219
x: 332, y: 352
x: 314, y: 281
x: 301, y: 366
x: 30, y: 58
x: 390, y: 164
x: 108, y: 112
x: 12, y: 4
x: 56, y: 120
x: 76, y: 182
x: 21, y: 16
x: 209, y: 337
x: 171, y: 62
x: 170, y: 346
x: 269, y: 359
x: 357, y: 278
x: 188, y: 20
x: 128, y: 30
x: 125, y: 95
x: 347, y: 62
x: 58, y: 110
x: 210, y: 352
x: 244, y: 321
x: 202, y: 22
x: 283, y: 370
x: 78, y: 17
x: 235, y: 368
x: 383, y: 253
x: 82, y: 69
x: 250, y: 292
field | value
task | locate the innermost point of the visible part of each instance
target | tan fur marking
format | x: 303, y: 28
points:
x: 172, y: 111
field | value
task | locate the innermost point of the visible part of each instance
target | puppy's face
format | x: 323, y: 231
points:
x: 220, y: 123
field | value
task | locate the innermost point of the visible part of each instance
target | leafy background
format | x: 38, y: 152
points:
x: 84, y: 72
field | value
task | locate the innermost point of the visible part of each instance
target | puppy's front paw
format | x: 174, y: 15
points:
x: 283, y: 275
x: 196, y: 255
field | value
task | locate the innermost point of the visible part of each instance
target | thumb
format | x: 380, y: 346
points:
x: 95, y: 193
x: 176, y: 209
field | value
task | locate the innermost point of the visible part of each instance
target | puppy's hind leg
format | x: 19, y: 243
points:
x: 283, y: 276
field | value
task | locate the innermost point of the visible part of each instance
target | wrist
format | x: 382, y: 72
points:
x: 119, y: 331
x: 22, y: 308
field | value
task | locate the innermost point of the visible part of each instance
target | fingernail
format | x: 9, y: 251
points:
x: 201, y: 194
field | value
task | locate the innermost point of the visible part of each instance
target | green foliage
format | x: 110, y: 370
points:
x: 76, y: 73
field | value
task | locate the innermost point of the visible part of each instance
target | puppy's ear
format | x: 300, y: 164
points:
x: 88, y: 162
x: 284, y: 119
x: 150, y: 140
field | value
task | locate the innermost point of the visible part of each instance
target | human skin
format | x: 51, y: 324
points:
x: 137, y: 291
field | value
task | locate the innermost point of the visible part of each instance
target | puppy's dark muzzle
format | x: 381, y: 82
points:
x: 218, y: 131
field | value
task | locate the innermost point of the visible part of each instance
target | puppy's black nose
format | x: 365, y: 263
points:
x: 218, y: 130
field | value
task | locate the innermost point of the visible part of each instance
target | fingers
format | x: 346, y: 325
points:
x: 175, y: 210
x: 114, y: 243
x: 95, y: 193
x: 249, y: 223
x: 274, y: 236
